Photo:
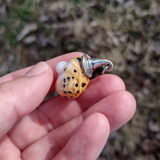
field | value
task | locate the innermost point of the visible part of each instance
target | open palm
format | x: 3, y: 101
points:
x: 59, y: 128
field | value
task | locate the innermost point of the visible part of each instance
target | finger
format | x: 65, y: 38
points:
x: 8, y: 150
x: 22, y: 95
x: 53, y: 62
x: 88, y: 140
x: 118, y: 108
x: 58, y: 111
x: 99, y: 88
x: 93, y: 131
x: 50, y: 145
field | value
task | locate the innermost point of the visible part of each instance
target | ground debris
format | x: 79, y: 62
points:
x: 26, y: 30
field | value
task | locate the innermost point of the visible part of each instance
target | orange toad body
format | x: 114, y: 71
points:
x: 71, y: 81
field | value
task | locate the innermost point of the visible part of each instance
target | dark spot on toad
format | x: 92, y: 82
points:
x: 64, y: 85
x: 65, y: 92
x: 79, y: 59
x: 71, y: 96
x: 83, y: 84
x: 77, y: 91
x: 64, y: 80
x: 76, y: 85
x: 72, y: 77
x: 75, y: 71
x: 68, y: 78
x: 65, y: 97
x: 69, y: 92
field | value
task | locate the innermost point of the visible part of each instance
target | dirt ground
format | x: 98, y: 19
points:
x: 127, y: 32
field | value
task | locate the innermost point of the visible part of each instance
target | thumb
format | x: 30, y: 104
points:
x: 22, y: 95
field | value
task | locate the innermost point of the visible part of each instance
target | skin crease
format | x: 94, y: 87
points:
x: 59, y: 129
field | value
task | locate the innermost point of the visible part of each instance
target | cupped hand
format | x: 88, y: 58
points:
x: 59, y: 128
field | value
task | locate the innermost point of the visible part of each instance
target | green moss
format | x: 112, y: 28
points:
x: 22, y: 12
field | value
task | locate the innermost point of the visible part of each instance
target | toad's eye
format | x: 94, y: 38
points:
x: 79, y: 59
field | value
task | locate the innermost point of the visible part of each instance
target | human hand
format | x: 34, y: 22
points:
x: 59, y: 128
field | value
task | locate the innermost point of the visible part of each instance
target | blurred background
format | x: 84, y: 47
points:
x: 127, y: 32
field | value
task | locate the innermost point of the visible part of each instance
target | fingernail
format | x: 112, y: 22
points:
x: 37, y: 69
